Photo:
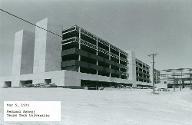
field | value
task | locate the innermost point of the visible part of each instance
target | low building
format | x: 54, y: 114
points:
x: 181, y: 77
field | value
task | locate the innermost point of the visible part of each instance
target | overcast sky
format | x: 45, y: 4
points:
x: 144, y: 26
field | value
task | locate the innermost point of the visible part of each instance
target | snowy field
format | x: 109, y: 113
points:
x: 108, y: 107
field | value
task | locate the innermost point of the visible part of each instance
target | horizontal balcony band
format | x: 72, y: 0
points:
x: 63, y: 33
x: 84, y: 42
x: 91, y: 35
x: 71, y: 38
x: 92, y: 66
x: 99, y: 49
x: 92, y: 56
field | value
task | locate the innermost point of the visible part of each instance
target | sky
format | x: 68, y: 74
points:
x: 144, y: 26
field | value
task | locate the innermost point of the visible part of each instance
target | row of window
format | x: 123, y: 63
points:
x: 142, y: 70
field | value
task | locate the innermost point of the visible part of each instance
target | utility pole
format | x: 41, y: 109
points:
x: 153, y: 68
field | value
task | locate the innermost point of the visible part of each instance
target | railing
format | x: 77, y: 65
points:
x: 99, y: 49
x: 103, y: 42
x: 87, y: 33
x: 124, y: 53
x: 69, y: 30
x: 88, y: 44
x: 73, y: 39
x: 83, y: 31
x: 114, y: 55
x: 114, y: 48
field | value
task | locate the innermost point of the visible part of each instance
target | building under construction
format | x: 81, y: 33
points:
x: 85, y: 52
x: 78, y: 59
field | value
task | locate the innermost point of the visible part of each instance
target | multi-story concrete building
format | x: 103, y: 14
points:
x: 142, y: 71
x: 77, y: 58
x: 84, y: 52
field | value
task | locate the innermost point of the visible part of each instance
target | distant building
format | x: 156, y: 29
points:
x: 181, y: 77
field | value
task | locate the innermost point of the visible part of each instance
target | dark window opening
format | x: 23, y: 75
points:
x: 87, y: 59
x: 123, y: 76
x: 114, y: 51
x: 88, y: 70
x: 123, y: 56
x: 123, y: 63
x: 114, y: 60
x: 7, y: 84
x: 103, y: 55
x: 141, y: 80
x: 103, y: 73
x: 47, y: 81
x: 26, y: 83
x: 87, y: 49
x: 123, y: 69
x: 70, y: 57
x: 114, y: 67
x: 88, y: 39
x: 70, y: 68
x: 114, y: 75
x: 103, y: 46
x: 103, y: 64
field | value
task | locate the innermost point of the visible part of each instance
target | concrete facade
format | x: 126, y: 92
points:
x: 23, y: 54
x: 132, y: 67
x: 60, y: 78
x: 47, y: 56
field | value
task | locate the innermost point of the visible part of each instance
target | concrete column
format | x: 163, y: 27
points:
x: 119, y: 57
x: 40, y: 47
x: 79, y: 68
x: 97, y: 53
x: 23, y: 53
x: 132, y: 67
x: 47, y: 55
x: 110, y: 58
x: 17, y: 53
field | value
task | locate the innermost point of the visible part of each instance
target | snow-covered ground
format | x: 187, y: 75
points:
x: 108, y: 107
